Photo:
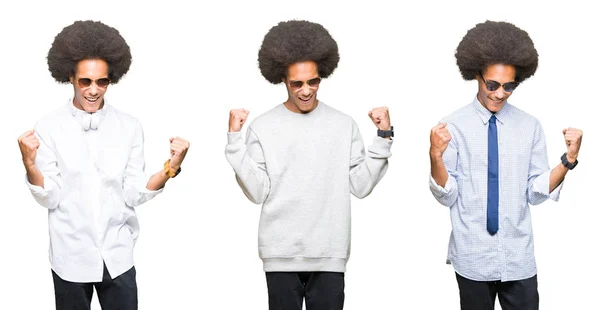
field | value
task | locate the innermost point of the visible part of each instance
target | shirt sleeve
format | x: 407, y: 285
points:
x: 538, y: 187
x: 135, y: 179
x: 49, y: 195
x: 248, y: 162
x: 367, y: 170
x: 448, y: 194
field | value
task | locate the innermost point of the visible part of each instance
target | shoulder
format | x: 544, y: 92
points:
x: 466, y: 112
x: 521, y: 116
x: 334, y: 114
x: 53, y: 119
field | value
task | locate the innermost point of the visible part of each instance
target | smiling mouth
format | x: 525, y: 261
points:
x: 92, y: 99
x: 305, y: 100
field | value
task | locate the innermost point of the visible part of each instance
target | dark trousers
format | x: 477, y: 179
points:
x: 322, y: 290
x: 114, y: 294
x: 513, y: 295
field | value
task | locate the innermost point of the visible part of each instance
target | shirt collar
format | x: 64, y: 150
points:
x: 502, y: 116
x: 85, y: 119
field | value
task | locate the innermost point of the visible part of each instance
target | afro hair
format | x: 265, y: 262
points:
x: 296, y: 41
x: 88, y: 40
x: 492, y: 43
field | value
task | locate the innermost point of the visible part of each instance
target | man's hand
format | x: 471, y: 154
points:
x: 573, y: 141
x: 381, y: 118
x: 179, y: 148
x: 439, y: 137
x: 28, y: 143
x: 237, y: 118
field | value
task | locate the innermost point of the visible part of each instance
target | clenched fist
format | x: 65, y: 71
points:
x: 573, y: 141
x: 381, y: 118
x: 237, y: 118
x: 28, y: 143
x: 179, y: 148
x: 439, y: 137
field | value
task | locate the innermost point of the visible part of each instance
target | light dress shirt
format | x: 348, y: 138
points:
x: 524, y: 178
x: 93, y: 179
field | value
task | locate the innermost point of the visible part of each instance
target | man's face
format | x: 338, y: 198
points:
x: 494, y: 100
x: 90, y: 83
x: 302, y: 83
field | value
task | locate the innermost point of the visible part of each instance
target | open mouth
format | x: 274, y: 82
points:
x: 305, y: 100
x: 91, y: 100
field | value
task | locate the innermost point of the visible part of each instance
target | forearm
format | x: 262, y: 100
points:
x: 557, y: 175
x: 157, y: 181
x: 251, y: 176
x: 34, y: 175
x: 438, y: 169
x: 367, y: 173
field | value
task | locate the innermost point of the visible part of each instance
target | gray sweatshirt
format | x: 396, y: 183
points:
x: 302, y: 168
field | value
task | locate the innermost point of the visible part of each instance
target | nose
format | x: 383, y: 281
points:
x: 93, y: 89
x: 500, y: 93
x: 305, y: 90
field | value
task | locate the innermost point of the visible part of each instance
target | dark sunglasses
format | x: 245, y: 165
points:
x: 295, y: 85
x: 86, y: 82
x: 491, y: 85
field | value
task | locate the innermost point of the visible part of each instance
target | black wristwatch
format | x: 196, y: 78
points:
x: 566, y: 163
x: 385, y: 133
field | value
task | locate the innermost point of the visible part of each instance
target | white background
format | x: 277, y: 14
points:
x: 193, y: 63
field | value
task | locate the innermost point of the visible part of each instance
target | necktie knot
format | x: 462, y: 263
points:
x: 493, y: 119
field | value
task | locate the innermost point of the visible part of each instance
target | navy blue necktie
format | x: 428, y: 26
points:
x: 492, y: 198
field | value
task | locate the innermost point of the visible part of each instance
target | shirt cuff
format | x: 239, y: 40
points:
x: 36, y: 190
x: 438, y: 190
x: 544, y: 186
x: 234, y: 137
x: 381, y: 148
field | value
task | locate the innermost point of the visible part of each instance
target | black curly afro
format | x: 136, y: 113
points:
x: 88, y: 40
x: 295, y: 41
x: 492, y: 43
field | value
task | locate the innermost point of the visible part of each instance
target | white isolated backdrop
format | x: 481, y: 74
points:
x: 194, y: 61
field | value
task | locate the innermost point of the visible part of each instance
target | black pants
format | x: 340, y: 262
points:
x: 322, y: 290
x: 513, y: 295
x: 114, y: 294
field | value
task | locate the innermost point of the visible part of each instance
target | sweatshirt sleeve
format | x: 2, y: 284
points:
x: 248, y: 162
x: 367, y: 170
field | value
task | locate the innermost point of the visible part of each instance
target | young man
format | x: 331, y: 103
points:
x: 302, y: 160
x: 85, y: 163
x: 488, y: 163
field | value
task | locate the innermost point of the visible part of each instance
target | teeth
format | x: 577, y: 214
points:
x: 91, y: 99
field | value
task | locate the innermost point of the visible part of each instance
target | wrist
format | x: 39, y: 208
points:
x: 567, y: 162
x: 571, y: 158
x: 29, y: 166
x: 169, y: 170
x: 435, y: 154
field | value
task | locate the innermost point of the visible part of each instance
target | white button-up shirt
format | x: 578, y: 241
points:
x: 92, y: 180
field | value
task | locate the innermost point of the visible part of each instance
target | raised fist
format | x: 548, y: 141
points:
x: 381, y: 118
x: 439, y: 137
x: 28, y: 143
x: 237, y: 118
x: 573, y: 141
x: 179, y: 148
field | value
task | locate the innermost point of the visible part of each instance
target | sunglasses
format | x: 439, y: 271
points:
x: 491, y: 85
x: 86, y: 82
x: 295, y: 85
